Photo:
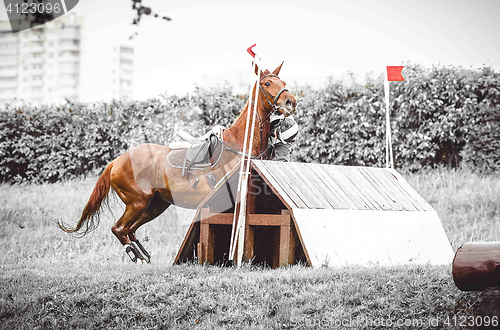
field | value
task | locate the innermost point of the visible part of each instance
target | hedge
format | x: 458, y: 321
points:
x: 439, y: 116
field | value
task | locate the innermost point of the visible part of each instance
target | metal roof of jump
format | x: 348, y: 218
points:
x: 319, y: 186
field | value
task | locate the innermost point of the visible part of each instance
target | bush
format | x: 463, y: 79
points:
x: 43, y: 143
x: 53, y: 143
x: 439, y: 116
x: 482, y: 150
x: 340, y: 125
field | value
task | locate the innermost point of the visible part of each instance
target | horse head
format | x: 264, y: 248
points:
x: 274, y: 95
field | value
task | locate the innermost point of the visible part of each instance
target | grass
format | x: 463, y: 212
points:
x: 50, y: 280
x: 467, y: 203
x: 189, y: 296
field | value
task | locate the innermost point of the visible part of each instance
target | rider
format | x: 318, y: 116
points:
x: 283, y: 133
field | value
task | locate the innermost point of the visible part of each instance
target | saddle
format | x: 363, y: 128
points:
x: 200, y: 153
x: 196, y: 154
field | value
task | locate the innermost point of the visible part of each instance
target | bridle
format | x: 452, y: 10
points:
x: 273, y: 102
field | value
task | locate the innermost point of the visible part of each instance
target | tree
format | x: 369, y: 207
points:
x: 141, y: 10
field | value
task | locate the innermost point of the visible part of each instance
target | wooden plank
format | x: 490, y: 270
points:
x: 297, y: 176
x: 307, y: 174
x: 358, y: 184
x: 406, y: 190
x: 395, y: 200
x: 375, y: 191
x: 363, y: 187
x: 189, y: 239
x: 249, y: 243
x: 297, y: 201
x: 321, y: 185
x: 252, y: 219
x: 368, y: 188
x: 346, y: 186
x: 291, y: 244
x: 334, y: 189
x: 292, y: 184
x: 207, y: 244
x: 300, y: 187
x: 393, y: 190
x: 385, y: 198
x: 285, y: 246
x: 269, y: 220
x: 217, y: 218
x: 330, y: 194
x: 278, y: 189
x: 419, y: 200
x: 391, y: 182
x: 259, y: 167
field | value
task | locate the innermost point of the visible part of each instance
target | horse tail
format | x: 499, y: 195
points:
x: 90, y: 214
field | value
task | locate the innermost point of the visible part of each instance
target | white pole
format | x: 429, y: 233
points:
x: 238, y: 233
x: 388, y: 141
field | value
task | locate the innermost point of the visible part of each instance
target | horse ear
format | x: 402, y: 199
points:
x: 278, y: 69
x: 257, y: 69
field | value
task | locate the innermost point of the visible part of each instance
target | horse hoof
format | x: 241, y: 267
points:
x: 129, y: 249
x: 136, y: 251
x: 145, y: 253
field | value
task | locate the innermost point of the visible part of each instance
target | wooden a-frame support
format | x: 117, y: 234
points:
x: 201, y: 238
x: 284, y: 242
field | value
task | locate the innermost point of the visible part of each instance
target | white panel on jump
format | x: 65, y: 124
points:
x: 339, y: 238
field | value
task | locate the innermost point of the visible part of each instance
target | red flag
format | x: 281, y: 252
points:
x: 394, y: 73
x: 250, y: 50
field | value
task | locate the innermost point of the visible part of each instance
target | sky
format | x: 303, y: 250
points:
x: 315, y: 39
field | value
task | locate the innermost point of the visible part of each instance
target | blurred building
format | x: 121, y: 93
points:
x: 41, y: 64
x: 8, y: 63
x: 240, y: 81
x: 57, y: 61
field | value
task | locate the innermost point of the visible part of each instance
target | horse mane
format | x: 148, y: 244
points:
x: 241, y: 112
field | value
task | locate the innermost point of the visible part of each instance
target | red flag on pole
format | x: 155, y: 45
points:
x: 250, y: 50
x: 394, y: 73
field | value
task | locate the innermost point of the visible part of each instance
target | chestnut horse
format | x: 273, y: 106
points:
x: 148, y: 185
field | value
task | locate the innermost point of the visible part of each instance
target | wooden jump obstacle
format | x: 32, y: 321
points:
x: 321, y: 215
x: 476, y: 267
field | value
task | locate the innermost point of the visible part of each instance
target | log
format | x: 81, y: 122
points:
x: 476, y: 266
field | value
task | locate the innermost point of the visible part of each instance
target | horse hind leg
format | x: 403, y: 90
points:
x: 122, y: 227
x: 156, y: 207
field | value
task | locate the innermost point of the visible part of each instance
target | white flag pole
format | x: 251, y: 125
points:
x: 388, y: 142
x: 393, y: 73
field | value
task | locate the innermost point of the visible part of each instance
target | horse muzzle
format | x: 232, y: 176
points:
x: 286, y: 104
